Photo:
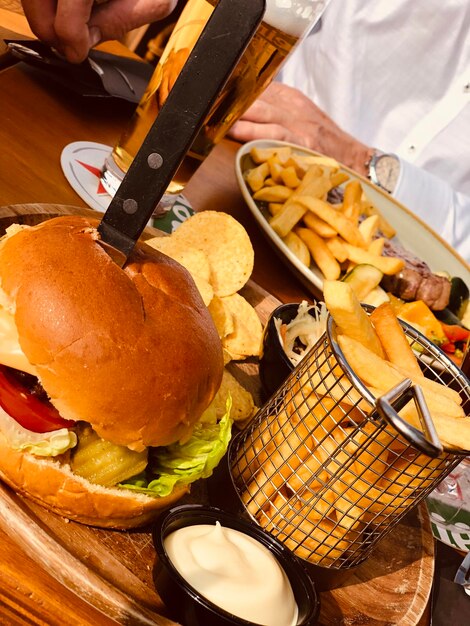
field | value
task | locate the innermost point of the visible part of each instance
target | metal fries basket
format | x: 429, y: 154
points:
x: 329, y: 470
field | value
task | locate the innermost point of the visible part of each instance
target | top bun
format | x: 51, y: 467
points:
x: 133, y: 351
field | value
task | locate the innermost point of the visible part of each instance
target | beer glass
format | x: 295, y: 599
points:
x: 283, y: 26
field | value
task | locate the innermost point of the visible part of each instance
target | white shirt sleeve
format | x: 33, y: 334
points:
x: 436, y: 203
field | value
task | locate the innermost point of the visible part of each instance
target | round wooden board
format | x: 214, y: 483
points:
x: 391, y: 588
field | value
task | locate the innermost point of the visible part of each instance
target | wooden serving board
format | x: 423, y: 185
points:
x: 112, y: 570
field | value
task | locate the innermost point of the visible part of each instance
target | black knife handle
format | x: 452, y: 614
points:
x: 210, y: 64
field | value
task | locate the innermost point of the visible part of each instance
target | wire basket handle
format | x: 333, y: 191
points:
x: 394, y: 400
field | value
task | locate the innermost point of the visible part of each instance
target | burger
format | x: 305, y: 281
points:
x: 107, y: 376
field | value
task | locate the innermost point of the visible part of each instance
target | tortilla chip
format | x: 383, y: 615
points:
x: 194, y: 260
x: 245, y: 340
x: 243, y: 406
x: 221, y: 316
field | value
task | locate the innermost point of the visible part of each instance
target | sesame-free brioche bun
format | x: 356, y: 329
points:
x: 53, y: 485
x: 134, y: 352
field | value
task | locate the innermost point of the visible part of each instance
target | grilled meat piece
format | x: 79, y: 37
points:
x: 416, y: 281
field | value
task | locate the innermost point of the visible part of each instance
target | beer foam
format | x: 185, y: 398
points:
x: 293, y: 17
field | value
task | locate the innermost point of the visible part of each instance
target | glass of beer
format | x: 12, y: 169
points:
x: 283, y: 26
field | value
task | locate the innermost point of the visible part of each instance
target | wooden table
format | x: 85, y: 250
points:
x: 38, y: 120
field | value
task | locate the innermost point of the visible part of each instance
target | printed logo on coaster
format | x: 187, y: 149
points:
x: 82, y: 163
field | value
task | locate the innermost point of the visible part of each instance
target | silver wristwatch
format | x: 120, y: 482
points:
x: 383, y: 170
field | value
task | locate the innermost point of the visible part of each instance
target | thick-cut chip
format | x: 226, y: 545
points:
x: 318, y: 225
x: 276, y: 193
x: 226, y: 244
x: 263, y: 154
x: 341, y: 224
x: 337, y: 249
x: 289, y: 177
x: 368, y: 228
x: 297, y: 247
x: 320, y: 252
x: 349, y: 316
x: 387, y: 264
x: 393, y: 339
x: 284, y: 220
x: 256, y: 176
x: 245, y: 340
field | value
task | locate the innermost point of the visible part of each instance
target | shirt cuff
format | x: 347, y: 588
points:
x: 436, y: 203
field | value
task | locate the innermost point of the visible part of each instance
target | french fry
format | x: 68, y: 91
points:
x: 259, y: 155
x: 381, y: 376
x: 308, y: 536
x: 336, y: 247
x: 275, y: 193
x: 338, y: 178
x: 293, y: 444
x: 297, y: 247
x: 289, y: 177
x: 368, y: 229
x: 322, y: 161
x: 343, y: 226
x: 349, y: 316
x: 376, y: 246
x: 386, y: 264
x: 453, y: 432
x: 289, y: 215
x: 393, y: 339
x: 318, y: 225
x: 320, y: 252
x: 255, y: 177
x: 427, y: 383
x: 275, y: 207
x: 384, y: 226
x: 324, y: 382
x: 314, y: 183
x: 352, y: 195
x: 275, y: 169
x: 403, y: 477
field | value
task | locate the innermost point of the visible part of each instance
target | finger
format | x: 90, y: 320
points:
x: 248, y: 131
x: 41, y: 17
x: 262, y: 112
x: 71, y: 27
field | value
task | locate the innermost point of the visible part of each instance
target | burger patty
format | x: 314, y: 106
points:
x: 416, y: 281
x: 30, y: 382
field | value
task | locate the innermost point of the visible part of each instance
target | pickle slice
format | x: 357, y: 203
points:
x: 105, y: 463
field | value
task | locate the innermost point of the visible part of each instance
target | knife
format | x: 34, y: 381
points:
x: 215, y: 54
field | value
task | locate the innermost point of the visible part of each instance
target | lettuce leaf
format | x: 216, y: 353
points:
x: 41, y: 444
x: 181, y: 464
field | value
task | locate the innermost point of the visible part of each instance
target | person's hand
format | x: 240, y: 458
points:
x: 74, y: 26
x: 286, y: 114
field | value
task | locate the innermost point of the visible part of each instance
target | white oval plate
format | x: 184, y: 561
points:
x: 413, y: 234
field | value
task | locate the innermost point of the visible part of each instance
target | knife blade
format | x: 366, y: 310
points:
x: 215, y: 54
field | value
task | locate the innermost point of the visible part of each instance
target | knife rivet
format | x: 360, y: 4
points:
x: 155, y: 160
x: 130, y: 206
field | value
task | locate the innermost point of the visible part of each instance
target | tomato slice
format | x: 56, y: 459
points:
x: 26, y: 408
x: 455, y: 333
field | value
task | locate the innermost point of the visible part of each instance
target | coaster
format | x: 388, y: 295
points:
x: 82, y: 162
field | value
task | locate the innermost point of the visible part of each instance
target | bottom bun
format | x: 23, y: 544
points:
x: 56, y: 488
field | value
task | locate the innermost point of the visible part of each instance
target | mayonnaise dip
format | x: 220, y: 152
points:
x: 233, y: 571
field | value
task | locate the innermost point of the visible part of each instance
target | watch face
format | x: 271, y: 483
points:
x: 387, y: 169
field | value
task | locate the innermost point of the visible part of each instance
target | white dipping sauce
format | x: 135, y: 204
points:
x: 235, y: 572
